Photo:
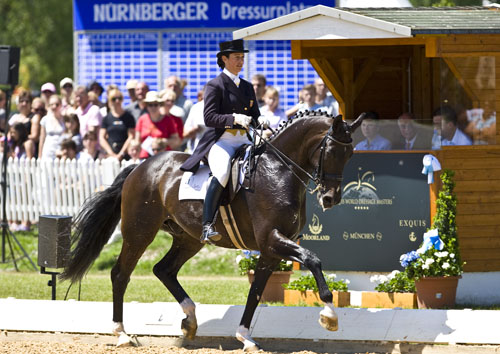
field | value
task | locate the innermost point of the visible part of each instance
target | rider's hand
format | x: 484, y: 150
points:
x: 242, y: 120
x: 264, y: 122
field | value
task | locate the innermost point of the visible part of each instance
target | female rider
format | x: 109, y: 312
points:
x: 230, y: 108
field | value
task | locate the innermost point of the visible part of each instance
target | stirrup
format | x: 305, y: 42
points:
x: 209, y: 234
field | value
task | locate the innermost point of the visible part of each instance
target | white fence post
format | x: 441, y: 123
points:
x: 40, y: 187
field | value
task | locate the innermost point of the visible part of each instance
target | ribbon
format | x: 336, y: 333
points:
x: 431, y: 164
x: 431, y: 239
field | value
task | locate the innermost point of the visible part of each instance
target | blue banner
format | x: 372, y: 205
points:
x: 141, y: 14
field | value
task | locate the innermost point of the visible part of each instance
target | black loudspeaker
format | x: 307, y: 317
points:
x: 54, y: 240
x: 9, y: 65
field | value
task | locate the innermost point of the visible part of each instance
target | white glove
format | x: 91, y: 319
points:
x: 264, y: 122
x: 242, y: 120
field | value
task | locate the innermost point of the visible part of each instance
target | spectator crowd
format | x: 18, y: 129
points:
x: 91, y: 122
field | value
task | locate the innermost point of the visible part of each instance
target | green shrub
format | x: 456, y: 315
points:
x: 307, y: 282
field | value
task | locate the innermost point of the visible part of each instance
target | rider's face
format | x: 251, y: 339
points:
x: 234, y: 63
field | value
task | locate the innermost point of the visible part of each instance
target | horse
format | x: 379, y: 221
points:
x: 269, y: 216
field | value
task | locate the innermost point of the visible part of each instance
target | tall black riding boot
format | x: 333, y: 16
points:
x: 210, y: 207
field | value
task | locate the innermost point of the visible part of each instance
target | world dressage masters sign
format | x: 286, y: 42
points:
x: 384, y: 213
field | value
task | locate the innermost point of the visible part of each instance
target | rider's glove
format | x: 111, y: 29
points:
x: 242, y: 120
x: 264, y: 122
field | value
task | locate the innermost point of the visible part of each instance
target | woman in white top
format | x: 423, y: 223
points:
x: 52, y: 129
x: 271, y: 110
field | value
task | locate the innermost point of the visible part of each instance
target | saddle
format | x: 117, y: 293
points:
x: 243, y: 163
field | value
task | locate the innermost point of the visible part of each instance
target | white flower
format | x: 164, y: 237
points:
x: 425, y: 266
x: 429, y: 261
x: 452, y: 255
x: 239, y: 258
x: 289, y: 263
x: 441, y: 254
x: 347, y: 281
x: 446, y: 265
x: 378, y: 278
x: 393, y: 274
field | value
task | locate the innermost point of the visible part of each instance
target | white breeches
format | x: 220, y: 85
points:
x: 220, y: 154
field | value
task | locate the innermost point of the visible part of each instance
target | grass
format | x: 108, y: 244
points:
x: 211, y: 270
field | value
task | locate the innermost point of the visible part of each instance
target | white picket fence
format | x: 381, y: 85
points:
x: 54, y: 187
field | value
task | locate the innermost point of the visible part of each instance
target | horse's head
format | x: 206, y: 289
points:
x: 334, y: 151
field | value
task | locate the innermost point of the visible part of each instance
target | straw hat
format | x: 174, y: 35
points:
x: 152, y: 96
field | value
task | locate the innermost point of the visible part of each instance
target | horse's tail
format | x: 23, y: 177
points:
x: 94, y: 226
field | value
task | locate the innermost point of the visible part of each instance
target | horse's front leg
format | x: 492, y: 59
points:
x: 263, y: 271
x: 279, y: 246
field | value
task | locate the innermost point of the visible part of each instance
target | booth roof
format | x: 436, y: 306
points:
x: 323, y: 22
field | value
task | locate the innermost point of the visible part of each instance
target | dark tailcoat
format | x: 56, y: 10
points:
x: 423, y: 141
x: 222, y: 98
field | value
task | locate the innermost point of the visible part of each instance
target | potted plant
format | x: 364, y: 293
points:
x: 393, y: 290
x: 436, y: 266
x: 305, y: 291
x: 273, y: 292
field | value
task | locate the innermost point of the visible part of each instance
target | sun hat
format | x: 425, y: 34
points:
x: 131, y: 84
x: 152, y: 96
x: 65, y: 81
x: 48, y: 86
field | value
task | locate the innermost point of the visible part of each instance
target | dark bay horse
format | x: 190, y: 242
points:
x: 269, y: 216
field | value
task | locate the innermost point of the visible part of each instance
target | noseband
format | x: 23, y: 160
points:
x: 319, y: 176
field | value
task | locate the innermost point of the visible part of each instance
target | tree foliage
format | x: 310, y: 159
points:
x: 44, y: 32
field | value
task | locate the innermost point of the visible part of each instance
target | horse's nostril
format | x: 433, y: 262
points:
x: 327, y: 200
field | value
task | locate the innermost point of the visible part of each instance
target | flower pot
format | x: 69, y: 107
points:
x: 311, y: 298
x: 436, y: 292
x: 274, y: 291
x: 374, y: 299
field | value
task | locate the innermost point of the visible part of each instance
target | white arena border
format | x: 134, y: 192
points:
x: 472, y: 327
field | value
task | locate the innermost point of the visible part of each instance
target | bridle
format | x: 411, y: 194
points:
x: 318, y: 176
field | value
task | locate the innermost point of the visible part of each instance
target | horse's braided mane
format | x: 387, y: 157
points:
x: 291, y: 120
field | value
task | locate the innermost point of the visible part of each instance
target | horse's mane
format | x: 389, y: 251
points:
x: 293, y: 120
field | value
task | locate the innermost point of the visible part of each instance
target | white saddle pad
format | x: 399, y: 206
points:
x: 194, y: 186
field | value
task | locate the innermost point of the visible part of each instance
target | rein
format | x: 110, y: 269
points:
x: 318, y: 176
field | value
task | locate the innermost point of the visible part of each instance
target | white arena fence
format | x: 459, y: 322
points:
x: 54, y: 187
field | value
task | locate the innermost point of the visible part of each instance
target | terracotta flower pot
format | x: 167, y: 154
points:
x: 311, y: 298
x: 436, y: 292
x: 273, y: 292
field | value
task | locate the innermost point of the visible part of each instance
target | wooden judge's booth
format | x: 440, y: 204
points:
x: 415, y: 60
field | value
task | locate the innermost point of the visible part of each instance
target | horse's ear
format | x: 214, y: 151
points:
x: 354, y: 125
x: 337, y: 120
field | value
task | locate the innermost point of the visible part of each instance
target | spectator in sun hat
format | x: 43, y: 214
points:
x: 48, y: 89
x: 153, y: 124
x: 97, y: 88
x: 131, y: 84
x: 67, y: 99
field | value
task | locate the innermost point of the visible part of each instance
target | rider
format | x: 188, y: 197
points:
x: 230, y: 108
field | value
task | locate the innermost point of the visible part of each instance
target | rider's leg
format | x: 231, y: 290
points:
x: 219, y: 160
x: 210, y: 207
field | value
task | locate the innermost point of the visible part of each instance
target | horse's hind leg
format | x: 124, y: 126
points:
x: 137, y: 236
x: 166, y: 270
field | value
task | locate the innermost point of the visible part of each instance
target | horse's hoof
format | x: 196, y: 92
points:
x: 124, y: 341
x: 329, y: 323
x: 189, y: 328
x: 251, y: 347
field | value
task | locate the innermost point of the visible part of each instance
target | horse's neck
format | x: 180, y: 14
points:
x: 299, y: 139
